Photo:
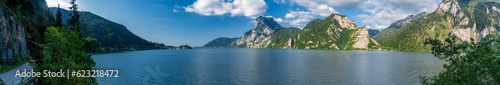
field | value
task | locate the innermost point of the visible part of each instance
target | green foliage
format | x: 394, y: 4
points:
x: 315, y: 35
x: 4, y: 69
x: 411, y: 37
x: 59, y: 21
x: 383, y: 35
x: 2, y: 82
x: 109, y: 36
x: 439, y: 25
x: 281, y: 37
x: 316, y: 32
x: 346, y: 37
x: 74, y: 21
x: 185, y: 47
x: 33, y: 16
x: 467, y: 63
x: 221, y: 42
x: 64, y: 51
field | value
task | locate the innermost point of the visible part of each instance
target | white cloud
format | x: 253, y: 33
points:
x: 300, y: 18
x: 280, y: 1
x: 331, y: 3
x: 378, y: 13
x: 248, y: 8
x: 175, y: 10
x: 315, y: 9
x: 63, y: 3
x: 382, y: 13
x: 279, y: 20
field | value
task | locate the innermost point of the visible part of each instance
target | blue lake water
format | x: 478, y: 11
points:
x: 267, y: 66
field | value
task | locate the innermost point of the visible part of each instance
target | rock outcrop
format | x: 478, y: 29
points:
x: 335, y: 32
x: 12, y: 39
x: 362, y: 39
x: 466, y: 19
x: 266, y: 33
x: 260, y: 35
x: 22, y: 21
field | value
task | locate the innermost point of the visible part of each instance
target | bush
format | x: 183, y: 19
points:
x: 64, y: 50
x: 467, y: 63
x: 2, y: 82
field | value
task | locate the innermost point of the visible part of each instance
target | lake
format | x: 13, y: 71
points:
x: 267, y: 66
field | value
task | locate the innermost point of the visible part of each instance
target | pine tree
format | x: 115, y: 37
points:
x: 59, y: 17
x: 74, y: 22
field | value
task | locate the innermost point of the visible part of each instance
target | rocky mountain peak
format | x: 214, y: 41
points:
x: 264, y: 26
x: 409, y: 19
x: 451, y: 6
x: 259, y: 36
x: 343, y: 21
x: 266, y: 21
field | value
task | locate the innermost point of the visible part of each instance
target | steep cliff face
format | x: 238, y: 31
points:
x: 465, y: 19
x: 12, y: 38
x: 363, y: 39
x: 21, y: 21
x: 334, y: 32
x: 473, y: 19
x: 13, y: 42
x: 266, y: 33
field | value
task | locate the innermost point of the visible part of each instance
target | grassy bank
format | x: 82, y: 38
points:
x: 8, y: 68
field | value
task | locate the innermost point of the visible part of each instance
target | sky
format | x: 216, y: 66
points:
x: 197, y: 22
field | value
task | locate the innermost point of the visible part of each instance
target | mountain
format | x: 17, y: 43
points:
x: 397, y: 25
x: 260, y: 35
x: 266, y: 33
x: 221, y: 42
x: 373, y: 32
x: 109, y: 35
x: 466, y: 19
x: 334, y: 32
x: 284, y: 38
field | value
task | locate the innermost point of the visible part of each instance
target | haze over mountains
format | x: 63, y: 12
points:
x: 108, y: 34
x: 476, y: 19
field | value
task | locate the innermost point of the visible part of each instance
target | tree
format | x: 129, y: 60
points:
x: 185, y: 47
x: 74, y: 21
x: 59, y: 17
x: 467, y: 63
x: 65, y: 50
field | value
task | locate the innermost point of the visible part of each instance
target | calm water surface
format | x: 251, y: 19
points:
x: 267, y: 66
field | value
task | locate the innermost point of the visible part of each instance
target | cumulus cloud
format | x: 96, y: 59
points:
x: 315, y: 9
x: 280, y: 1
x: 382, y: 13
x: 63, y: 3
x: 300, y: 18
x: 279, y: 20
x: 378, y: 14
x: 248, y: 8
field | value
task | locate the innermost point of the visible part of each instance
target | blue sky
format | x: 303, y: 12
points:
x: 196, y: 22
